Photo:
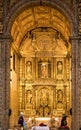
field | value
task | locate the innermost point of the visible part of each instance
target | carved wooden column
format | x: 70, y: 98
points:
x: 36, y: 60
x: 22, y: 69
x: 52, y: 68
x: 68, y: 68
x: 64, y: 96
x: 34, y: 97
x: 22, y: 84
x: 54, y: 97
x: 23, y: 97
x: 34, y: 67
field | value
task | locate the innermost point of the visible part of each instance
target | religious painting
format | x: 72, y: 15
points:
x: 43, y: 102
x: 44, y: 69
x: 28, y: 70
x: 59, y: 67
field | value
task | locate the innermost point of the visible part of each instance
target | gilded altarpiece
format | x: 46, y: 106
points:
x: 46, y: 90
x: 45, y: 75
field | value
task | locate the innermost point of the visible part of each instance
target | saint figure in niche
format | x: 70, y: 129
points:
x: 28, y: 97
x: 44, y: 70
x: 60, y: 96
x: 59, y: 67
x: 29, y: 69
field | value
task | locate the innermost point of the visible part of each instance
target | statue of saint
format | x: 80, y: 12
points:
x: 29, y: 69
x: 60, y: 96
x: 28, y: 97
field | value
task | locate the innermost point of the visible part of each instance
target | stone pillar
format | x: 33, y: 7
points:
x: 4, y: 81
x: 79, y: 84
x: 74, y: 85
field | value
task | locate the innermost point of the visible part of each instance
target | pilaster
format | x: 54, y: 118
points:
x: 4, y: 81
x: 75, y: 85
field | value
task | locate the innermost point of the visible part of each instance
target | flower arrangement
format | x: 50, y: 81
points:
x: 42, y: 124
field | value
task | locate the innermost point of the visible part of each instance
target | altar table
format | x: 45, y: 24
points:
x: 40, y: 128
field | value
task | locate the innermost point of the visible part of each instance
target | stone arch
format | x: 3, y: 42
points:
x: 22, y: 5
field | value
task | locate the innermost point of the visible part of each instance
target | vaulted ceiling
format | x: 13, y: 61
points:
x: 40, y: 19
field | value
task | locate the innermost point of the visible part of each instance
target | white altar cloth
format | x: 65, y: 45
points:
x: 40, y: 128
